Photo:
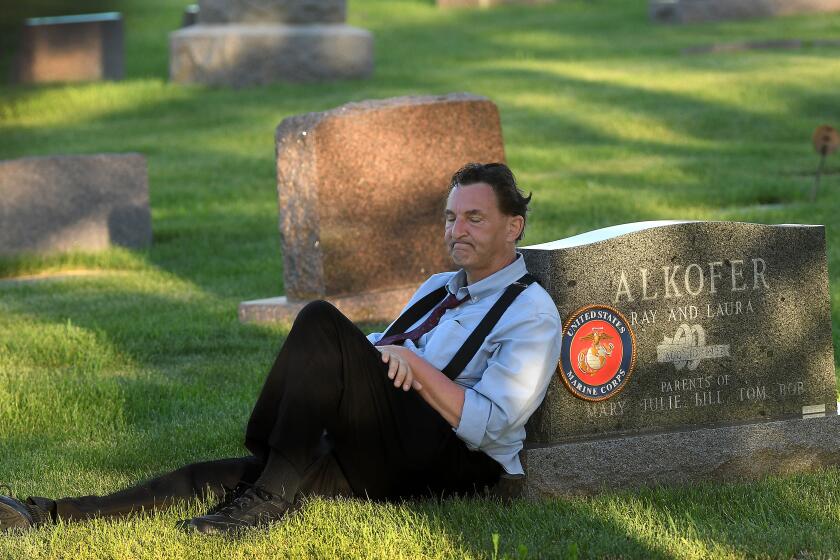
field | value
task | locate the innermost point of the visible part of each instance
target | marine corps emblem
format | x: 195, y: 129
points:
x: 598, y: 353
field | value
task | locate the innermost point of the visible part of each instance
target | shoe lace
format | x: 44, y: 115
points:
x: 245, y: 499
x: 229, y: 498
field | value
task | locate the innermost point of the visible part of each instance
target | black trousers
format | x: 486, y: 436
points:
x: 328, y: 408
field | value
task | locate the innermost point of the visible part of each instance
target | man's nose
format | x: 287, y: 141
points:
x: 458, y: 227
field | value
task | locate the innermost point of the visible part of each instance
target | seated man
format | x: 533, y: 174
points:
x: 435, y: 405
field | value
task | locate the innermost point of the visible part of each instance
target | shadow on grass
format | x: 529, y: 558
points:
x: 776, y: 517
x: 211, y: 149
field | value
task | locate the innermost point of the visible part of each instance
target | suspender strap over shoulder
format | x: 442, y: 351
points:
x: 468, y: 350
x: 416, y: 311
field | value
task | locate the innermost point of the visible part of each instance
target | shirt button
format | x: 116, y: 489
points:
x: 475, y: 299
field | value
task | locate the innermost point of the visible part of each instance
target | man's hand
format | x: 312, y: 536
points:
x: 399, y: 368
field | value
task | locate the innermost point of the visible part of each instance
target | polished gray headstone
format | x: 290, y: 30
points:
x: 731, y: 323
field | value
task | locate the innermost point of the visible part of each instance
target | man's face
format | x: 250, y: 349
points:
x: 477, y: 234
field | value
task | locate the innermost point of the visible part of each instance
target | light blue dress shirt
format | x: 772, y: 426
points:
x: 508, y: 377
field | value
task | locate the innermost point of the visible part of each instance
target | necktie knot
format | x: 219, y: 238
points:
x: 449, y: 302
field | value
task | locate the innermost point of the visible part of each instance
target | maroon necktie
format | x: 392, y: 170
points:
x: 427, y: 325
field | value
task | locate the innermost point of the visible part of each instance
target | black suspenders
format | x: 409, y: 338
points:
x: 468, y: 350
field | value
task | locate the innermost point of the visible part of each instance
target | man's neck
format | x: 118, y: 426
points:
x: 474, y: 276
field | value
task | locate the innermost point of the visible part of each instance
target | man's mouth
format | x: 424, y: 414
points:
x: 460, y: 244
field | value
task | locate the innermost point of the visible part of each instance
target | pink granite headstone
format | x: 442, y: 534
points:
x: 362, y: 189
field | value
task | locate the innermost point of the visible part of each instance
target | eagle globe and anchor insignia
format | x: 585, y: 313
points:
x: 598, y: 353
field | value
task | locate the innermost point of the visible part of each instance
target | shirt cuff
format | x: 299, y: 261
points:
x: 474, y: 418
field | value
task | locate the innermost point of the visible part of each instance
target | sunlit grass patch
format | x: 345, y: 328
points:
x: 113, y: 377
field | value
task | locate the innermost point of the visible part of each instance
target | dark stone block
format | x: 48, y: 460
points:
x: 190, y: 16
x: 71, y: 48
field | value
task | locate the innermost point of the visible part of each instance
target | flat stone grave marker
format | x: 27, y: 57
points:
x: 362, y: 190
x: 64, y: 203
x: 486, y: 3
x: 253, y: 42
x: 695, y: 11
x: 278, y: 11
x: 71, y: 48
x: 691, y: 351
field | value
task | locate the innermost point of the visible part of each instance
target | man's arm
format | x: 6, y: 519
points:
x: 509, y: 390
x: 442, y: 394
x: 514, y: 382
x: 408, y: 370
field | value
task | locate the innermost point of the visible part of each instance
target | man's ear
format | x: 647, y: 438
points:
x: 515, y: 226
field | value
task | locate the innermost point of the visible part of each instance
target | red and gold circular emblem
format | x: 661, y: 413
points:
x: 598, y: 353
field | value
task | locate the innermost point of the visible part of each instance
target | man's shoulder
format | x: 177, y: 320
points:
x: 537, y: 299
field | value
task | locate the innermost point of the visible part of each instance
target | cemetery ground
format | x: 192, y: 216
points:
x: 135, y: 363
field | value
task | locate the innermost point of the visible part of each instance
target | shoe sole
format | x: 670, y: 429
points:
x: 11, y: 519
x: 214, y: 529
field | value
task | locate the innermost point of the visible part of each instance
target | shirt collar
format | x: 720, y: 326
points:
x: 499, y: 280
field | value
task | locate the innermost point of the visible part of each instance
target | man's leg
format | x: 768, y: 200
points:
x: 387, y: 442
x: 205, y: 479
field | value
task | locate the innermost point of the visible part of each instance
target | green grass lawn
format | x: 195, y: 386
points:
x: 111, y: 378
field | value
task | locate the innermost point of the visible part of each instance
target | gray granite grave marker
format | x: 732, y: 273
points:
x: 71, y: 48
x: 695, y: 11
x: 63, y: 203
x: 252, y: 42
x: 716, y: 333
x: 485, y: 3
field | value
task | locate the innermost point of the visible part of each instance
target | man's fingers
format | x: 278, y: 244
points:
x: 417, y: 385
x: 392, y: 368
x: 401, y: 373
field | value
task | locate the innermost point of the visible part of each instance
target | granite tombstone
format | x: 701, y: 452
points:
x: 485, y: 3
x: 64, y: 203
x: 71, y: 48
x: 253, y: 42
x: 362, y: 189
x: 695, y: 11
x: 691, y: 351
